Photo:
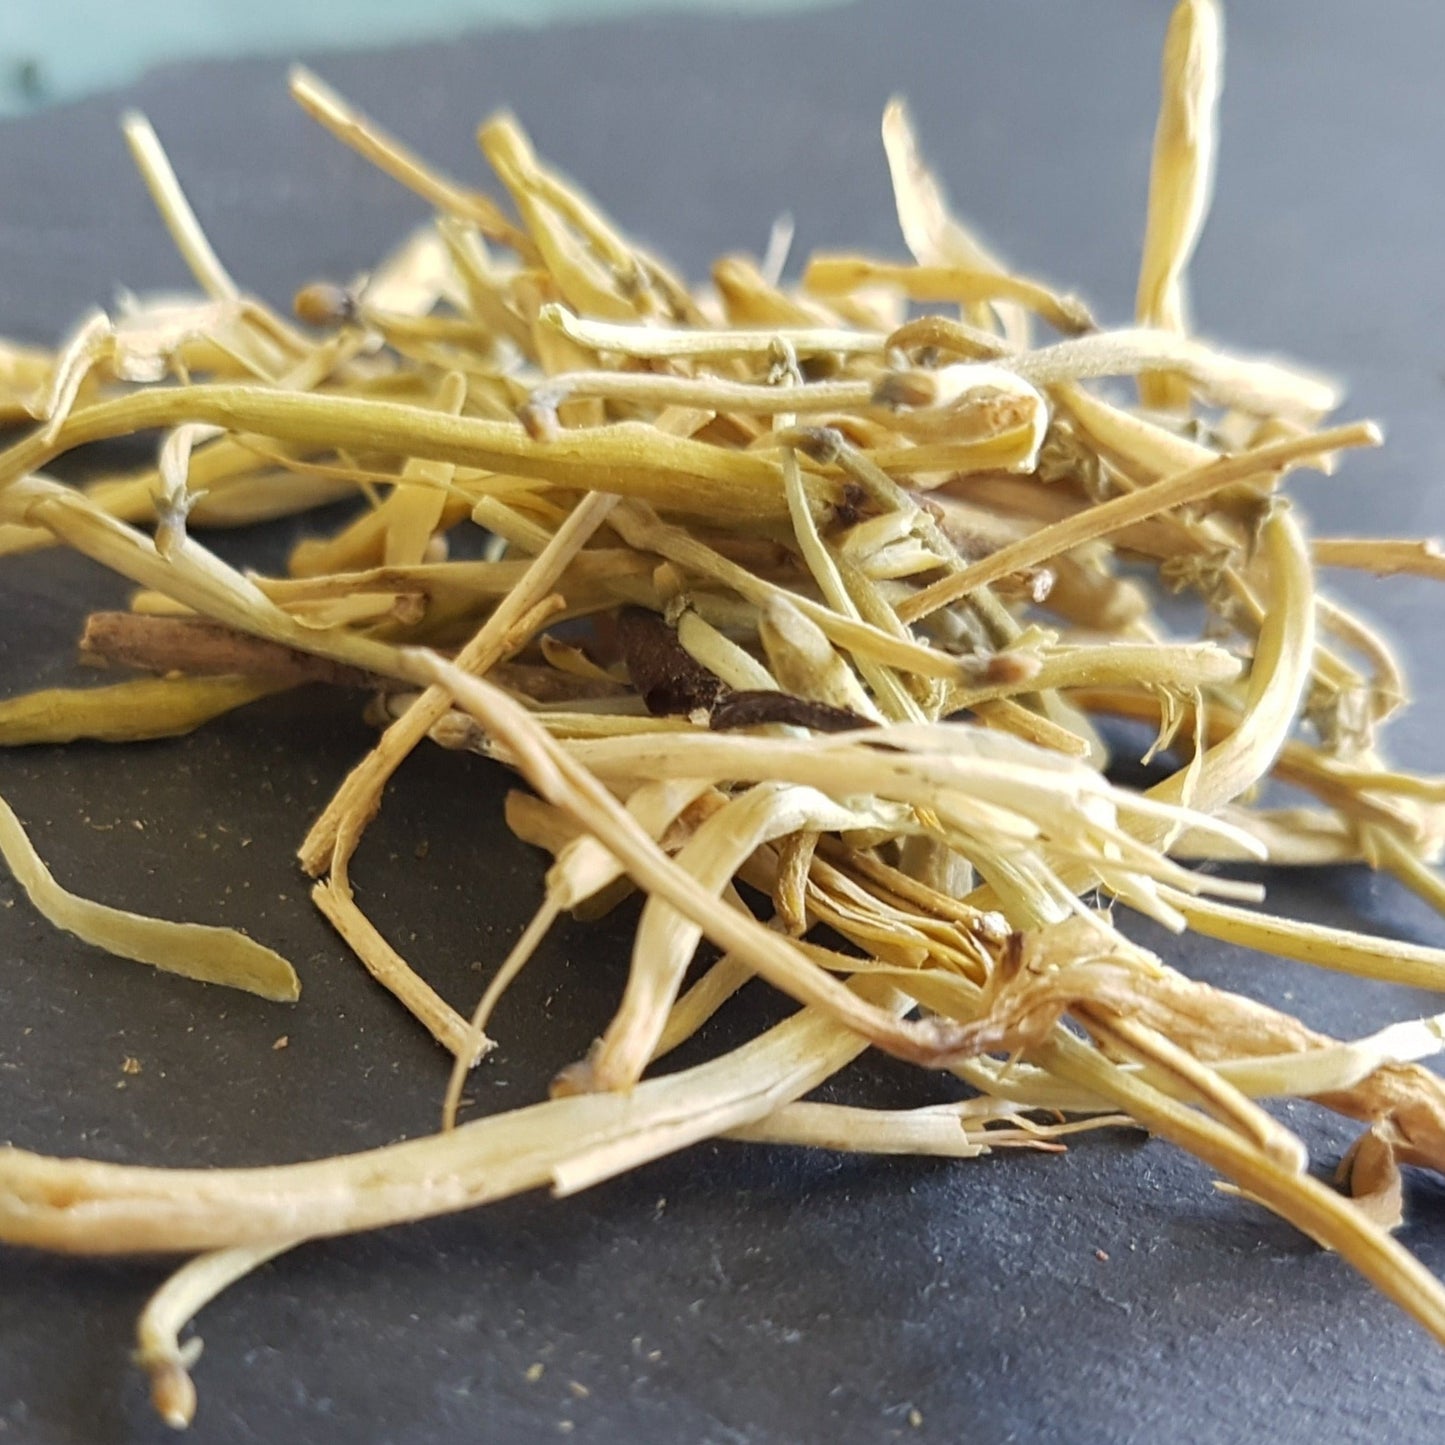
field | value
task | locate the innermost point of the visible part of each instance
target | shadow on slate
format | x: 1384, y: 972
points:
x: 727, y: 1295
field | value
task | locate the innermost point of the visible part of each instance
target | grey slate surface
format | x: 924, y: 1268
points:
x: 725, y: 1295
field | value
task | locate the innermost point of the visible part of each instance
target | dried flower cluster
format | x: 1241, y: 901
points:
x: 796, y: 616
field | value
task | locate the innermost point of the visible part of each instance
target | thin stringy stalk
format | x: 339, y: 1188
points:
x: 785, y: 604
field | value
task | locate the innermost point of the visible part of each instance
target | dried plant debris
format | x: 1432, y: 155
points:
x: 789, y: 593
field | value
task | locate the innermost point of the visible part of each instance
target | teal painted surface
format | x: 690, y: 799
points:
x: 55, y: 50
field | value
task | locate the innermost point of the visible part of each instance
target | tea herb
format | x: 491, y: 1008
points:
x: 795, y: 615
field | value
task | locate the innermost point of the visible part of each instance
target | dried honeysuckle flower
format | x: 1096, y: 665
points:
x: 1181, y: 179
x: 787, y: 597
x: 216, y: 955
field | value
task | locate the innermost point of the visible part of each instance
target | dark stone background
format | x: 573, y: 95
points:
x: 729, y: 1294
